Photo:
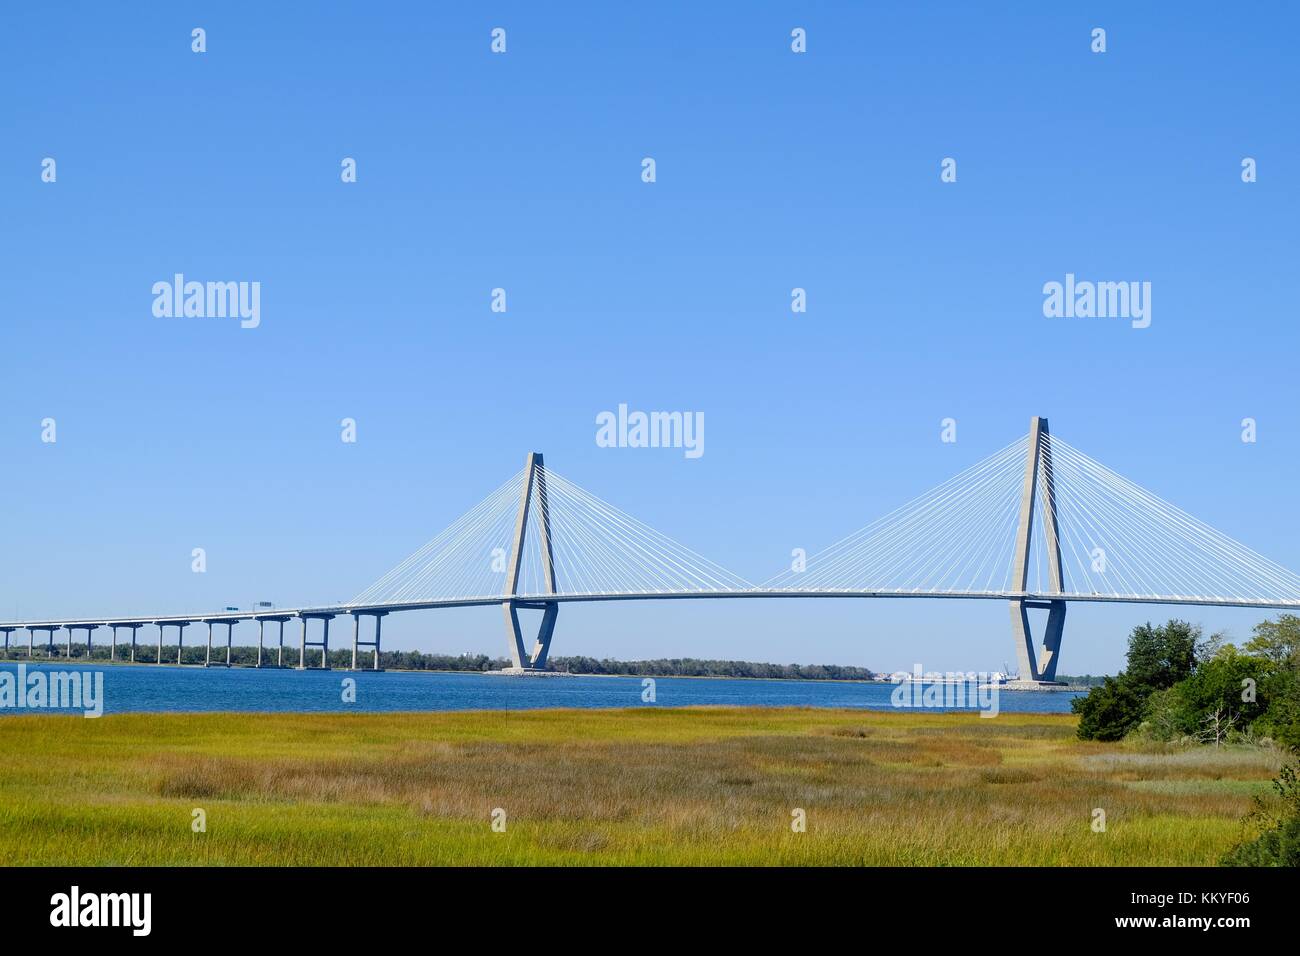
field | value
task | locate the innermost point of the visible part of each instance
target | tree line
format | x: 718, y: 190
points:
x: 244, y: 656
x: 696, y: 667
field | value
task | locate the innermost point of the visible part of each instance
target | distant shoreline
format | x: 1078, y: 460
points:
x: 82, y: 662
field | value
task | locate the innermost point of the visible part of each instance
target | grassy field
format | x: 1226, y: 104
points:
x: 643, y: 786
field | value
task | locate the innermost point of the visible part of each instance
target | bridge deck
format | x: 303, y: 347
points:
x: 787, y: 593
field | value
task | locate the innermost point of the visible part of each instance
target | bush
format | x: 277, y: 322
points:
x: 1278, y: 643
x: 1221, y: 698
x: 1281, y: 688
x: 1277, y: 841
x: 1110, y: 711
x: 1177, y: 687
x: 1158, y: 657
x: 1163, y: 718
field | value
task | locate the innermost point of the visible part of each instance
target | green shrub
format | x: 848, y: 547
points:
x: 1158, y: 657
x: 1220, y: 699
x: 1277, y: 839
x: 1278, y: 643
x: 1110, y: 711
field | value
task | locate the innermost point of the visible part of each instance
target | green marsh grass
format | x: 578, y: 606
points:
x: 645, y: 786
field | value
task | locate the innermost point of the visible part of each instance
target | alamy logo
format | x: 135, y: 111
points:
x: 75, y: 908
x: 45, y: 689
x: 952, y: 690
x: 1103, y: 300
x: 217, y: 300
x: 651, y: 430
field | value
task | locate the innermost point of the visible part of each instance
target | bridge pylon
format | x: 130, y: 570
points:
x: 1038, y: 476
x: 534, y: 484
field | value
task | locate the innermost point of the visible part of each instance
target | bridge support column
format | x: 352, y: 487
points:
x: 180, y: 638
x: 358, y: 643
x: 134, y: 628
x: 323, y: 643
x: 49, y: 642
x: 1032, y: 666
x: 1038, y: 474
x: 230, y: 627
x: 8, y: 631
x: 519, y: 657
x: 515, y: 637
x: 90, y: 642
x: 261, y: 633
x: 279, y: 658
x: 1052, y: 640
x: 534, y: 481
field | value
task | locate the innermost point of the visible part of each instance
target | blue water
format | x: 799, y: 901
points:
x: 146, y: 688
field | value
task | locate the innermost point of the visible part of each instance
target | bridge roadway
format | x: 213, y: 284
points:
x: 338, y: 610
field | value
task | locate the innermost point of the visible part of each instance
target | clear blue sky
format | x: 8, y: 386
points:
x: 522, y: 171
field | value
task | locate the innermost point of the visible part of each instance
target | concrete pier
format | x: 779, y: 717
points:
x: 230, y: 623
x: 357, y: 642
x: 323, y: 643
x: 49, y: 630
x: 134, y: 628
x: 112, y: 648
x: 89, y: 629
x: 180, y: 637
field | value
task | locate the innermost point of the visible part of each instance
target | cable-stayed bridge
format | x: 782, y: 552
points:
x: 1037, y: 524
